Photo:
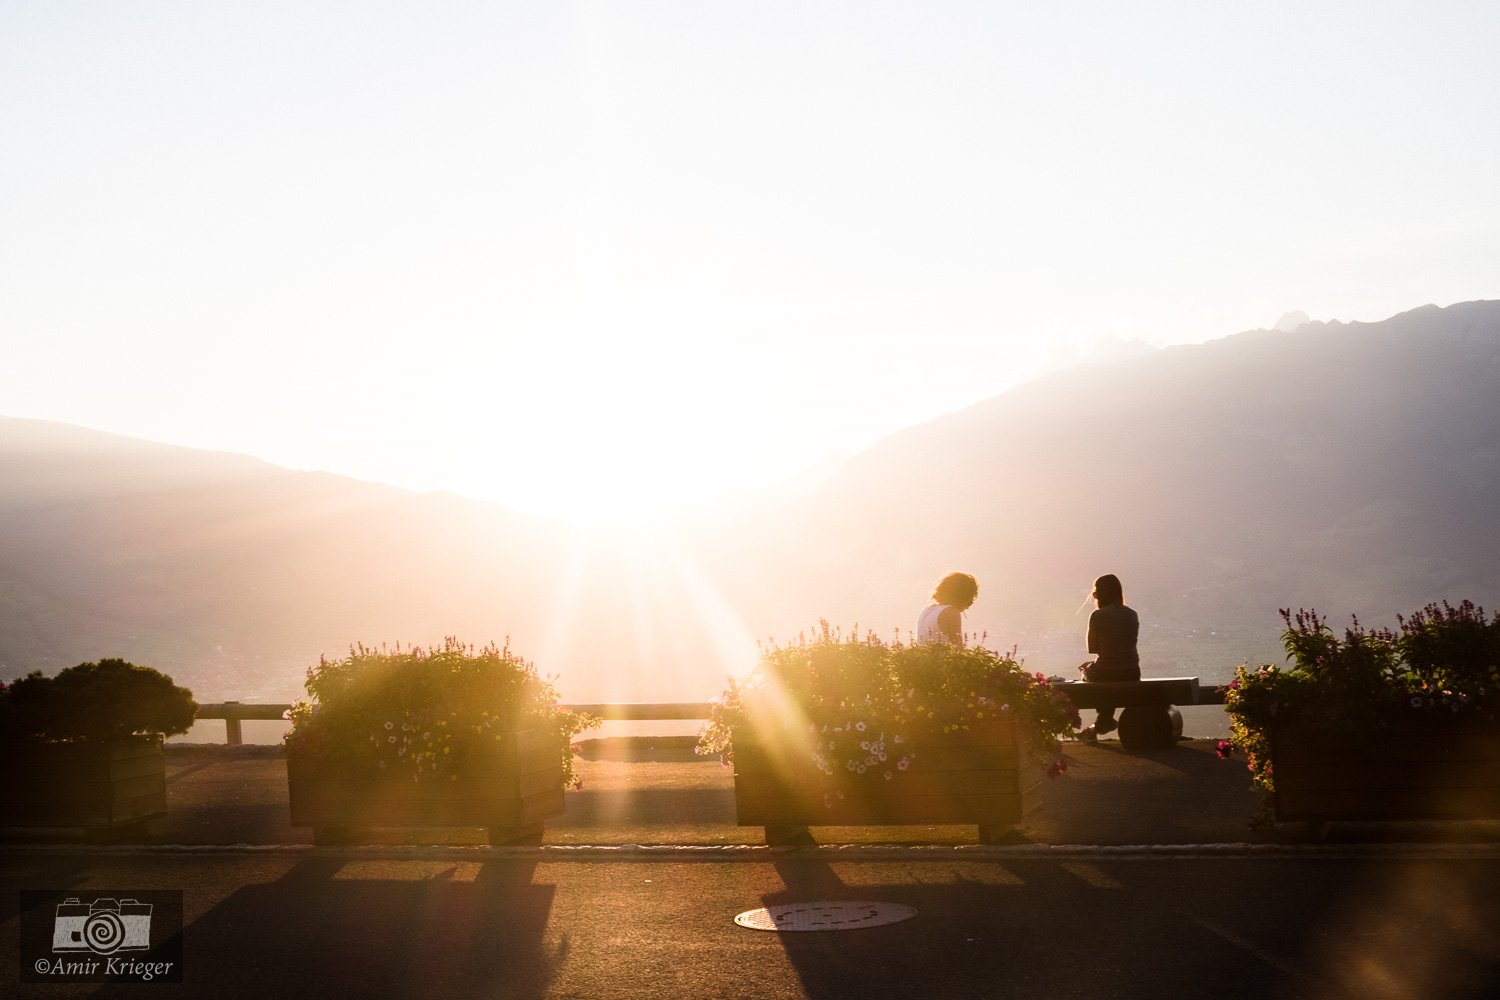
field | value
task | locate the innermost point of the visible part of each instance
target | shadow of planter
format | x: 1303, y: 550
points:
x: 322, y: 930
x: 511, y: 792
x: 109, y: 788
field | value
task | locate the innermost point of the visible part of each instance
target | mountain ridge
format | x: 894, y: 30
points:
x: 1347, y: 466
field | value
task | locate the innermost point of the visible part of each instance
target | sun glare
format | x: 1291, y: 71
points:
x: 643, y: 597
x: 603, y: 420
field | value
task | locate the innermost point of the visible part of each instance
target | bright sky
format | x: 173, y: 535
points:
x: 587, y: 256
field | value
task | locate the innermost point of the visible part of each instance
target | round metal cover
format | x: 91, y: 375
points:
x: 844, y: 915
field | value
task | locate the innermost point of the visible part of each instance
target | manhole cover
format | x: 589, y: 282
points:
x: 839, y: 916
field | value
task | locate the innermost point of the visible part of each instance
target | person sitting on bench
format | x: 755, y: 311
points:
x: 1113, y: 631
x: 943, y: 619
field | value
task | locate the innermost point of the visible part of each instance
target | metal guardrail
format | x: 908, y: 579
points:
x: 233, y: 712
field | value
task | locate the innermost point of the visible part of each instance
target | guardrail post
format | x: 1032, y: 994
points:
x: 232, y: 733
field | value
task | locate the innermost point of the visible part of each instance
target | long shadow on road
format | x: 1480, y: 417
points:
x: 316, y: 932
x: 1147, y: 929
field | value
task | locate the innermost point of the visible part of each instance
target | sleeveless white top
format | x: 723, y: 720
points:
x: 927, y: 624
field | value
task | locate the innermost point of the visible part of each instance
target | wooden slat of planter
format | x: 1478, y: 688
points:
x: 482, y: 782
x: 92, y: 767
x: 995, y: 808
x: 977, y: 776
x: 90, y: 812
x: 923, y: 759
x: 395, y: 804
x: 112, y: 750
x: 1422, y: 771
x: 40, y: 792
x: 978, y: 758
x: 399, y: 789
x: 132, y: 809
x: 1387, y: 803
x: 1337, y: 775
x: 1400, y: 746
x: 83, y: 784
x: 535, y: 808
x: 983, y: 743
x: 913, y: 782
x: 518, y: 784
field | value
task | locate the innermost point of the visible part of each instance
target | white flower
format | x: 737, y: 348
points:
x: 390, y: 725
x: 903, y: 763
x: 860, y: 726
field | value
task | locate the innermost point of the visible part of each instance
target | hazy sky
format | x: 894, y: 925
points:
x: 572, y: 255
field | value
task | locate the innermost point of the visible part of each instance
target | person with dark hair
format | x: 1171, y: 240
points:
x: 943, y: 619
x: 1113, y: 631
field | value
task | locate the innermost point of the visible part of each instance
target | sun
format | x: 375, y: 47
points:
x: 602, y: 429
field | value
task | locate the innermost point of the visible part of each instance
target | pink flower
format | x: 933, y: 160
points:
x: 1224, y: 749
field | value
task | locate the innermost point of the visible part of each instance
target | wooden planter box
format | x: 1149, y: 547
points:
x: 985, y: 776
x: 510, y: 791
x: 1416, y: 772
x: 109, y: 789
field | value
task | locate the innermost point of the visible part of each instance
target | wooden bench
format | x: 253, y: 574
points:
x: 1148, y: 720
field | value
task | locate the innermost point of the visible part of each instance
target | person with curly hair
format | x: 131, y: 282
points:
x: 943, y: 619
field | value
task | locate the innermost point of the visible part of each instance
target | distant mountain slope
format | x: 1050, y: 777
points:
x: 228, y: 569
x: 1352, y: 467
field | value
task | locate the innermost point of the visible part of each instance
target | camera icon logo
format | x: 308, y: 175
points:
x: 103, y: 927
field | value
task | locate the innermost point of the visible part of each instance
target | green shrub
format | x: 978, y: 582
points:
x: 856, y: 706
x: 1441, y: 665
x: 95, y: 702
x: 423, y: 711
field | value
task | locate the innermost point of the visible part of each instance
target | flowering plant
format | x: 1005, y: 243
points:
x: 422, y: 712
x: 854, y: 708
x: 1440, y: 666
x: 94, y: 702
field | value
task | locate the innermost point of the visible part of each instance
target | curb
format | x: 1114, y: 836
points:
x: 561, y: 853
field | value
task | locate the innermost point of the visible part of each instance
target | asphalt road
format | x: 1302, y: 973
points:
x: 1138, y: 877
x: 468, y: 922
